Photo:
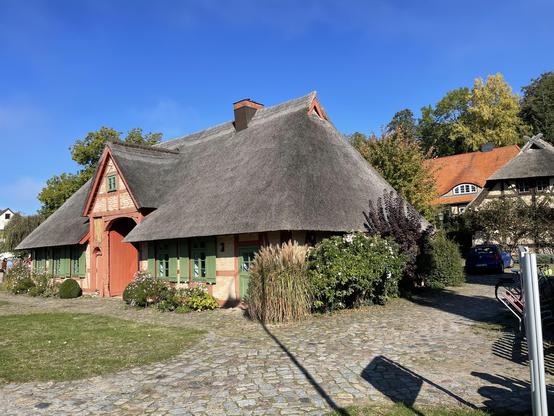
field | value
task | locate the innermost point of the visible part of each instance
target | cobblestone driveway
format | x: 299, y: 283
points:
x: 431, y: 350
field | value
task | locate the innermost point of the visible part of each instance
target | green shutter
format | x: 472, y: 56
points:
x: 65, y: 266
x: 34, y: 260
x: 152, y: 258
x: 210, y: 259
x: 82, y: 261
x: 184, y: 261
x: 172, y: 260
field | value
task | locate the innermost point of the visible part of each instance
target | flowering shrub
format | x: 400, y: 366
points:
x: 145, y: 290
x: 44, y: 285
x: 18, y: 279
x: 354, y: 270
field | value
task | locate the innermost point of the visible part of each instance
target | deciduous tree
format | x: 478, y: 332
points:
x: 87, y: 153
x: 18, y: 228
x: 400, y: 160
x: 537, y: 105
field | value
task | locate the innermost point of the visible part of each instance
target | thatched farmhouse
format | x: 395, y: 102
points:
x: 529, y: 175
x: 194, y: 210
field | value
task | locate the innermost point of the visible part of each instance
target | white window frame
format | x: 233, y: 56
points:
x: 464, y: 189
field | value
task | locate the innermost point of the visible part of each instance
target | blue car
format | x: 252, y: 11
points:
x: 488, y: 258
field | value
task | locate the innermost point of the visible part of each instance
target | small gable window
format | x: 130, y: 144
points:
x: 7, y: 216
x: 465, y: 188
x: 112, y: 183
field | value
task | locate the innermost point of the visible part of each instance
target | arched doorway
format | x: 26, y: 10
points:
x: 123, y: 257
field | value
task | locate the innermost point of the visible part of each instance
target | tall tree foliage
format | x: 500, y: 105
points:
x: 18, y: 228
x: 465, y: 119
x: 537, y: 105
x: 400, y: 160
x: 87, y: 153
x: 403, y: 120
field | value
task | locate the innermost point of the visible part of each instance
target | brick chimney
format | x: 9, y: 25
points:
x: 244, y: 111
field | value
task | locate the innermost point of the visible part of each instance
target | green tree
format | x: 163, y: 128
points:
x: 87, y: 153
x: 400, y: 160
x: 405, y: 120
x: 18, y: 228
x: 435, y: 128
x: 465, y: 119
x: 509, y: 221
x: 537, y: 105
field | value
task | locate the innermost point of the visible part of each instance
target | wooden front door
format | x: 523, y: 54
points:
x: 123, y: 256
x: 246, y: 257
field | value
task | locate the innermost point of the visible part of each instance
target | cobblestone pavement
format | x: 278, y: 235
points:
x: 435, y: 349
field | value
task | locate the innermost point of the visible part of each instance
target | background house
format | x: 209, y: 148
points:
x: 530, y: 174
x: 5, y: 217
x: 460, y: 178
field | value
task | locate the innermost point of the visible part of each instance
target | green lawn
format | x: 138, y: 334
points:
x: 65, y: 346
x: 401, y: 410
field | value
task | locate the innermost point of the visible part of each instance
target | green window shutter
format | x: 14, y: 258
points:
x: 210, y: 259
x: 152, y: 258
x: 184, y: 260
x: 65, y: 269
x: 34, y: 260
x: 82, y: 261
x: 173, y: 260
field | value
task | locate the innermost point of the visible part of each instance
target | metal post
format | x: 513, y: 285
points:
x: 533, y: 330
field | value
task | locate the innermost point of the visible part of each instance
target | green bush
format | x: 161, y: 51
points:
x: 166, y: 305
x: 279, y: 288
x: 70, y: 289
x: 146, y: 290
x: 197, y: 299
x: 44, y: 285
x: 354, y: 270
x: 22, y: 286
x: 440, y: 263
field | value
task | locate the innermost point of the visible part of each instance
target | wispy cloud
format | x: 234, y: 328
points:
x: 167, y: 116
x: 21, y: 194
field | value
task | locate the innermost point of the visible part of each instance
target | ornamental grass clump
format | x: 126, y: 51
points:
x: 279, y: 289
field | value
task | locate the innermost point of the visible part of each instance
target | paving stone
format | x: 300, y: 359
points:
x: 428, y: 351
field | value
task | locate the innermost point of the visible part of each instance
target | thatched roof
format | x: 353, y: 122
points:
x: 66, y: 226
x: 288, y: 170
x: 535, y: 159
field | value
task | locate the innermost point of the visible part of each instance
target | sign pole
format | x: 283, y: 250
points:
x: 533, y: 330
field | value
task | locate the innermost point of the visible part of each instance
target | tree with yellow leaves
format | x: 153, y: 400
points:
x: 491, y: 115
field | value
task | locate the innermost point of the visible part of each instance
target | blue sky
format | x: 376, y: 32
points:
x: 69, y: 67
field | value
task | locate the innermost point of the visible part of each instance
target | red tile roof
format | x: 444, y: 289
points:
x: 474, y: 167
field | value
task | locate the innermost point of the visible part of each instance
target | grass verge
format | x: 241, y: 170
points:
x: 66, y: 346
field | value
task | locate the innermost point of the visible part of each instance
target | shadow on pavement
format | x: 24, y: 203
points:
x: 400, y: 384
x: 509, y: 394
x: 323, y: 394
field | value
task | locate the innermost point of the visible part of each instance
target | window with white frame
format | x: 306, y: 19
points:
x: 464, y: 188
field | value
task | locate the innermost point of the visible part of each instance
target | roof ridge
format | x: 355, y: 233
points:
x: 311, y: 94
x: 144, y: 147
x: 476, y: 152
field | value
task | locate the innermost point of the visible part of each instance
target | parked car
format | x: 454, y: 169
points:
x: 488, y: 257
